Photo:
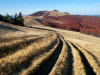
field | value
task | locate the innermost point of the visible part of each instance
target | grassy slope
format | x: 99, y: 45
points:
x: 76, y: 46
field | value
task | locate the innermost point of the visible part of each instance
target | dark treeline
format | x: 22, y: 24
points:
x: 17, y: 20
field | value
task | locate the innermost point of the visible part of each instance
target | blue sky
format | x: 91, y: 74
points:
x: 79, y: 7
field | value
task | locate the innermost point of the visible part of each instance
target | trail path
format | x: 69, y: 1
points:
x: 42, y: 50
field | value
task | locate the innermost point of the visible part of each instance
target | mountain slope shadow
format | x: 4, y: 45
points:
x: 3, y: 27
x: 46, y: 68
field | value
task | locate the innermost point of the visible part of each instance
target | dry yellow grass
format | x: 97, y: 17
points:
x: 37, y: 47
x: 63, y: 64
x: 31, y: 21
x: 92, y: 61
x: 16, y: 45
x: 56, y: 13
x: 39, y: 61
x: 78, y: 66
x: 44, y: 50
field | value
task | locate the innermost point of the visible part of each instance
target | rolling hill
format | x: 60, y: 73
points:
x: 48, y: 44
x: 44, y: 50
x: 49, y: 13
x: 85, y: 24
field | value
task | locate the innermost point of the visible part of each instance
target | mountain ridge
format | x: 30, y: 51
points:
x: 54, y: 13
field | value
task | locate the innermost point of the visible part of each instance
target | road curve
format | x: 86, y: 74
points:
x: 49, y: 54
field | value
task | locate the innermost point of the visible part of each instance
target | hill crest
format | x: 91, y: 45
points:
x: 54, y: 13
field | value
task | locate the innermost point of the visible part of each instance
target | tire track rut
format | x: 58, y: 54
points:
x: 61, y: 57
x: 46, y: 68
x: 24, y: 61
x: 88, y: 68
x: 91, y: 55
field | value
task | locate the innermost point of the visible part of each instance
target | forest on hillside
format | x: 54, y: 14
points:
x: 84, y: 24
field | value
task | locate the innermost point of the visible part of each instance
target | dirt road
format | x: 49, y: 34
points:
x: 43, y: 50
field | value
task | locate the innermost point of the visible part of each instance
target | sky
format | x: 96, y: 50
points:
x: 74, y: 7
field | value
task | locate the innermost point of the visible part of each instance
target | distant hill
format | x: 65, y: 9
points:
x: 54, y: 13
x: 88, y: 24
x: 84, y: 24
x: 94, y: 15
x: 40, y: 13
